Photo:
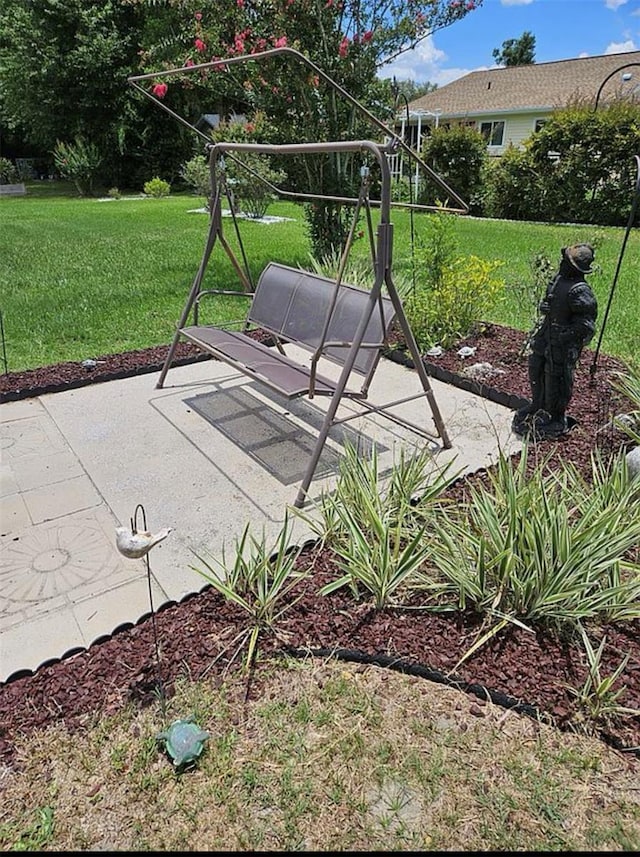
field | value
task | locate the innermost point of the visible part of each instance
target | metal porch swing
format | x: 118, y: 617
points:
x: 325, y: 317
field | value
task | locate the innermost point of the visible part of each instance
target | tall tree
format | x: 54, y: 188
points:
x: 517, y: 51
x: 349, y: 40
x: 63, y: 74
x: 61, y: 67
x: 412, y: 90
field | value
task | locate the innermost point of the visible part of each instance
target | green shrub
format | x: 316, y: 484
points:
x: 157, y: 188
x: 512, y: 187
x: 456, y: 308
x: 195, y: 173
x: 457, y: 155
x: 251, y: 184
x: 435, y: 252
x: 593, y: 179
x: 249, y: 175
x: 114, y: 193
x: 590, y: 181
x: 8, y: 172
x: 79, y: 162
x: 542, y: 545
x: 453, y: 294
x: 401, y: 190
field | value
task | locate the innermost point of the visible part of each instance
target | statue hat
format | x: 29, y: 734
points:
x: 581, y: 257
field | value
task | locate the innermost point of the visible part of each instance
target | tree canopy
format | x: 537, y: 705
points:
x: 349, y: 40
x: 517, y: 51
x: 412, y: 90
x: 63, y: 67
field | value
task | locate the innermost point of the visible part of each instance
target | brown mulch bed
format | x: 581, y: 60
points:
x: 199, y: 636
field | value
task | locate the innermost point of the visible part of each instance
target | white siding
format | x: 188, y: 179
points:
x: 517, y: 128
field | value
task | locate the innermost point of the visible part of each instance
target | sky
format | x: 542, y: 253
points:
x: 563, y: 29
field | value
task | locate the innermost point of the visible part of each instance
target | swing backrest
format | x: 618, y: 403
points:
x: 294, y: 305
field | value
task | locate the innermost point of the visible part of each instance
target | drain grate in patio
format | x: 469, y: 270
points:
x: 282, y: 447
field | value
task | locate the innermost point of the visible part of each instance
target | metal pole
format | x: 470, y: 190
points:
x: 222, y: 63
x: 608, y: 77
x: 4, y: 346
x: 632, y: 214
x: 406, y: 135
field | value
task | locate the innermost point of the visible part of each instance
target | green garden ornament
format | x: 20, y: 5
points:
x: 183, y: 741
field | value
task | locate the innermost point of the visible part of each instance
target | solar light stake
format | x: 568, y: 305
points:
x: 134, y: 529
x: 135, y: 543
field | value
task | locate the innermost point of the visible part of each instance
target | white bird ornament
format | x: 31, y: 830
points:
x: 138, y: 544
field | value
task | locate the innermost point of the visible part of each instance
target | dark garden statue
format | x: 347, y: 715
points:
x: 568, y: 316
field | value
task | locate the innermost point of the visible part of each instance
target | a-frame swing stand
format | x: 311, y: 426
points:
x: 330, y: 319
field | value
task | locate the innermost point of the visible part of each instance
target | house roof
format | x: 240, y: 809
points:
x: 538, y: 87
x: 208, y: 120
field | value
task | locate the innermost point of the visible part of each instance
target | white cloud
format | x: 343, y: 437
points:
x: 620, y: 47
x: 614, y: 4
x: 423, y: 64
x: 528, y: 2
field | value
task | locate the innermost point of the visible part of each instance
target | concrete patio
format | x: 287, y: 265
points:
x: 205, y: 455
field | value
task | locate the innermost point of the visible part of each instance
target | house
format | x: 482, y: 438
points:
x: 210, y: 121
x: 508, y: 104
x: 207, y: 122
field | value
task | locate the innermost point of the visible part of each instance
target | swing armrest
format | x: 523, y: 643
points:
x: 319, y: 352
x: 239, y: 323
x: 230, y: 292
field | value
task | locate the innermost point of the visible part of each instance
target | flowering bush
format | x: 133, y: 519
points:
x: 348, y: 40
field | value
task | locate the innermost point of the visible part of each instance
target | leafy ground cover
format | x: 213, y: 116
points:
x: 358, y: 727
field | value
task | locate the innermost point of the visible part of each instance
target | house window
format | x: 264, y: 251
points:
x: 493, y: 132
x: 539, y: 123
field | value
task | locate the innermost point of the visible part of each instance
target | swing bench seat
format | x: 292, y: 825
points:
x: 311, y: 311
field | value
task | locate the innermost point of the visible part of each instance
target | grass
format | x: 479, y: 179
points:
x: 82, y: 277
x: 328, y: 757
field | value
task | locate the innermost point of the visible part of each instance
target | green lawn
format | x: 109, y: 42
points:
x: 83, y: 277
